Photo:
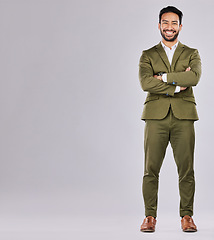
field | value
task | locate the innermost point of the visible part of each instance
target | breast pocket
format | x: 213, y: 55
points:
x: 182, y: 65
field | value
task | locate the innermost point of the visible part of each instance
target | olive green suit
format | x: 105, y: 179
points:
x: 169, y: 117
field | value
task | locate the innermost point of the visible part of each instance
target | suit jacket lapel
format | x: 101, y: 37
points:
x: 177, y: 54
x: 163, y: 55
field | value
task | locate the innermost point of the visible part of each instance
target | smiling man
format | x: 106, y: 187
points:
x: 168, y: 72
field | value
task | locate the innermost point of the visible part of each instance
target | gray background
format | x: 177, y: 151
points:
x: 71, y: 137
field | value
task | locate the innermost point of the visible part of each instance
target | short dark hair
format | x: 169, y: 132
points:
x: 171, y: 9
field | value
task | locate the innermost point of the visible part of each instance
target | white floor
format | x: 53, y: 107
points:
x: 104, y: 228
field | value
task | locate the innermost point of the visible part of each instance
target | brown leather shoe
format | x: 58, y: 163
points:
x: 187, y: 224
x: 148, y: 224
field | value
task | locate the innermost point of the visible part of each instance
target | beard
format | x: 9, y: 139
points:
x: 169, y: 39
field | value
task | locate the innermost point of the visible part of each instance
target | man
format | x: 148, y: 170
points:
x: 168, y: 71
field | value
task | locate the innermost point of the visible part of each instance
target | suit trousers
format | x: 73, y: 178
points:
x: 181, y: 135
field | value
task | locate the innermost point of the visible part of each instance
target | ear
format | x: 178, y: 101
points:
x: 180, y: 27
x: 159, y: 26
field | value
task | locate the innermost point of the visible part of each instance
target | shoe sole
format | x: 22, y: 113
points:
x: 149, y: 231
x: 190, y: 230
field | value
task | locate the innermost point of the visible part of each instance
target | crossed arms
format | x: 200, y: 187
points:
x: 154, y: 84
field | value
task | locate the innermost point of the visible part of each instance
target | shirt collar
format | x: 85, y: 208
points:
x: 173, y: 47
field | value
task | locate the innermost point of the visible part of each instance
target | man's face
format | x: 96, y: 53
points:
x: 169, y: 26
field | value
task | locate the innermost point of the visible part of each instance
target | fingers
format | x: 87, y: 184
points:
x: 158, y: 77
x: 188, y: 69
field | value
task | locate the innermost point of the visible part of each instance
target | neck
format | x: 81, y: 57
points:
x: 169, y: 44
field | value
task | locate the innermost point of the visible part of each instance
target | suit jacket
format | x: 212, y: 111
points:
x: 162, y: 95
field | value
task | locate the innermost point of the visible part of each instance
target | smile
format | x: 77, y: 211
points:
x: 169, y: 33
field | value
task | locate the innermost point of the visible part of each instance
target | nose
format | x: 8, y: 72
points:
x: 169, y: 26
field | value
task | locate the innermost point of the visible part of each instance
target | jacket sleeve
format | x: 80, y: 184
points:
x: 150, y: 83
x: 189, y: 78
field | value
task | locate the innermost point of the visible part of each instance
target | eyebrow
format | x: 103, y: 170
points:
x: 168, y: 21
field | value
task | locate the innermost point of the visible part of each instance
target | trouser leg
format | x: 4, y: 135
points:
x: 156, y: 138
x: 182, y: 139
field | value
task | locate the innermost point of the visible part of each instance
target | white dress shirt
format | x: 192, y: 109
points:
x: 170, y: 52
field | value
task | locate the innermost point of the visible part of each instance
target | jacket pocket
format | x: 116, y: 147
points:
x: 151, y: 98
x: 189, y: 99
x: 182, y: 65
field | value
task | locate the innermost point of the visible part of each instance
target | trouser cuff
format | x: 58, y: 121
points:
x: 150, y: 213
x: 183, y: 213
